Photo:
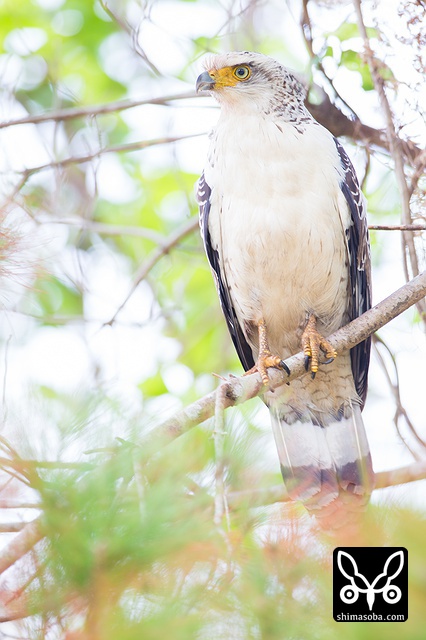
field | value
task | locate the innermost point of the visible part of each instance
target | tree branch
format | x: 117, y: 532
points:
x: 326, y: 113
x: 397, y: 227
x: 119, y: 148
x: 95, y: 110
x: 396, y: 152
x: 156, y: 255
x: 20, y: 545
x: 238, y: 390
x: 278, y: 493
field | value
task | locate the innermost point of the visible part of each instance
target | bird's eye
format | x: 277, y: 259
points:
x: 242, y: 73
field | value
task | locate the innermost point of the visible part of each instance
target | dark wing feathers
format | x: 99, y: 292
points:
x: 240, y: 343
x: 360, y: 268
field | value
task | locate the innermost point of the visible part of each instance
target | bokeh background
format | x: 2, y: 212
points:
x: 110, y: 321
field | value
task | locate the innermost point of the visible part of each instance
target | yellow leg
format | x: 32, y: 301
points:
x: 312, y: 342
x: 266, y: 359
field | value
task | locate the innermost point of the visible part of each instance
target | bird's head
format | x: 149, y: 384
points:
x: 245, y: 78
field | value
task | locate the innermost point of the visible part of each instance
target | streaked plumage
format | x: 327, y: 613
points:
x: 284, y: 227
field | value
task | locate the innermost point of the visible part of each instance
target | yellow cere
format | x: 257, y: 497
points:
x: 230, y: 76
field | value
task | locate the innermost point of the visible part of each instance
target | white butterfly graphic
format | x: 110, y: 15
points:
x: 350, y: 592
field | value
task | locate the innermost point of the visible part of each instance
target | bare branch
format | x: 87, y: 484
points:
x: 339, y: 124
x: 15, y: 610
x: 119, y: 148
x: 95, y: 110
x: 24, y: 466
x: 20, y: 505
x: 155, y: 256
x: 20, y: 545
x: 409, y: 473
x: 396, y: 152
x: 220, y: 500
x: 326, y: 113
x: 238, y: 390
x: 12, y: 527
x: 397, y: 227
x: 400, y: 411
x: 112, y: 229
x: 278, y: 493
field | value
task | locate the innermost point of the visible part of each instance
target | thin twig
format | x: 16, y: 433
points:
x: 395, y: 390
x: 110, y: 229
x: 12, y: 527
x: 306, y: 27
x: 397, y: 227
x: 20, y: 505
x: 156, y: 255
x: 218, y: 438
x: 95, y: 110
x: 395, y: 149
x: 119, y: 148
x: 21, y: 465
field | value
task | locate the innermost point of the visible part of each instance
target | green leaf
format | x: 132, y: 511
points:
x: 346, y: 30
x: 352, y: 60
x: 153, y: 386
x: 57, y: 298
x: 349, y: 30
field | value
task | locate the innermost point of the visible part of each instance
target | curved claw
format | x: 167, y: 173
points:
x: 307, y: 358
x: 285, y: 367
x: 328, y: 361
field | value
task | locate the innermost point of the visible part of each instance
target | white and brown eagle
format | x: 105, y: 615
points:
x: 284, y: 227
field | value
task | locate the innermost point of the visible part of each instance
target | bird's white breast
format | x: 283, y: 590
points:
x: 278, y: 220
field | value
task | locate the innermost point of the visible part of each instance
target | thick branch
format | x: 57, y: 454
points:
x: 339, y: 124
x: 238, y: 390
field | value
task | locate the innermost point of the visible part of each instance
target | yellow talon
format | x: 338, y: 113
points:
x: 266, y: 359
x: 312, y: 342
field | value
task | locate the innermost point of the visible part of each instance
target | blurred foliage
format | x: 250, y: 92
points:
x: 131, y: 547
x: 131, y: 551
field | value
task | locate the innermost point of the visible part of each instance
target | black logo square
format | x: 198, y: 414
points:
x: 370, y: 584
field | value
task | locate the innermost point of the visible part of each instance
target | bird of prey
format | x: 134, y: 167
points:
x: 284, y: 226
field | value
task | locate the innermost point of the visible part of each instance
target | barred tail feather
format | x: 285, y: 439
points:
x: 328, y: 468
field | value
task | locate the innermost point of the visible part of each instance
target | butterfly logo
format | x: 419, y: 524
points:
x: 359, y: 584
